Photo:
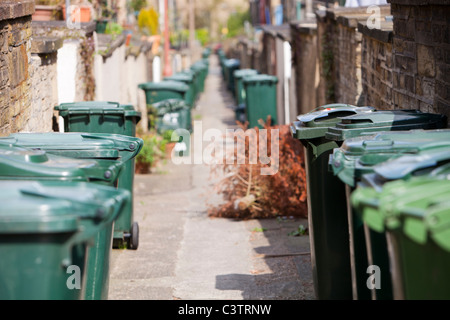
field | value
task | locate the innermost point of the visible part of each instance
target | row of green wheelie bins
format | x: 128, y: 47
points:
x: 255, y: 94
x: 171, y: 101
x: 68, y: 202
x: 378, y: 191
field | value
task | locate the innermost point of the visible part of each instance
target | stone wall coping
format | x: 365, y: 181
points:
x: 384, y: 34
x: 349, y: 13
x: 274, y: 29
x: 285, y: 35
x: 13, y: 9
x: 42, y: 45
x: 108, y: 43
x: 137, y: 47
x: 420, y: 2
x: 46, y: 27
x: 305, y: 27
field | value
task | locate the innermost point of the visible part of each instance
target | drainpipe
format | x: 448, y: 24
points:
x: 167, y: 68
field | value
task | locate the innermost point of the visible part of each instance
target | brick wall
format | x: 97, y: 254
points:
x: 339, y: 54
x: 347, y: 58
x: 15, y: 44
x: 305, y: 61
x: 421, y: 47
x: 376, y: 65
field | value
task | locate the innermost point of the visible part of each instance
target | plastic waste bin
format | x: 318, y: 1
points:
x: 328, y: 226
x: 202, y: 70
x: 230, y: 65
x: 173, y: 114
x: 364, y: 124
x: 260, y: 98
x: 159, y: 91
x: 107, y: 149
x: 413, y: 215
x: 206, y: 53
x: 188, y: 79
x: 19, y: 163
x: 358, y: 156
x: 112, y: 118
x: 240, y: 92
x: 239, y: 87
x: 45, y: 230
x: 222, y: 57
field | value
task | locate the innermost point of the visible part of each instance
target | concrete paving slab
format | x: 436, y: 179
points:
x: 184, y: 254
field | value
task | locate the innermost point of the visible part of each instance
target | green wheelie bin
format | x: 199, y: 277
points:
x: 201, y: 68
x: 197, y: 71
x: 159, y: 91
x: 112, y: 118
x: 260, y: 98
x: 413, y: 215
x: 19, y: 163
x: 206, y: 53
x: 174, y: 114
x: 240, y: 92
x: 358, y: 156
x: 231, y: 65
x: 188, y: 79
x: 364, y: 124
x: 222, y: 57
x: 104, y: 148
x: 46, y: 228
x: 328, y: 227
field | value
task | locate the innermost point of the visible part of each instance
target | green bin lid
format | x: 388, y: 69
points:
x: 230, y: 63
x: 164, y: 85
x: 259, y: 78
x: 356, y: 125
x: 420, y: 208
x: 184, y: 77
x: 361, y: 155
x: 316, y: 123
x: 35, y: 207
x: 79, y: 144
x: 428, y: 161
x: 169, y: 105
x: 238, y: 74
x: 24, y: 164
x: 97, y: 107
x: 198, y: 66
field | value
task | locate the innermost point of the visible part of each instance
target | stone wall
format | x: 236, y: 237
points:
x: 305, y: 61
x: 377, y: 65
x: 44, y: 86
x: 339, y: 53
x: 347, y: 59
x: 75, y: 64
x: 15, y: 56
x: 421, y: 46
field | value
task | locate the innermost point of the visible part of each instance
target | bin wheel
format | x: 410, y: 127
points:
x: 134, y: 236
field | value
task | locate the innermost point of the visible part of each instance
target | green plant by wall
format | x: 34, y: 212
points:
x: 48, y: 2
x: 113, y: 28
x: 137, y: 5
x: 235, y: 23
x: 153, y: 149
x: 203, y: 36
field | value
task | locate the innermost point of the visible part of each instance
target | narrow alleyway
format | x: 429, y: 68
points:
x: 184, y: 254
